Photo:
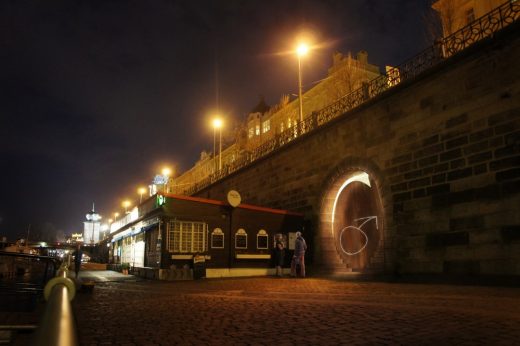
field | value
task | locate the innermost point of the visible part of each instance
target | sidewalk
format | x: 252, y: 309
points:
x: 285, y: 311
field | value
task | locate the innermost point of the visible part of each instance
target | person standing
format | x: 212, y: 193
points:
x: 77, y: 259
x: 298, y: 260
x: 279, y: 254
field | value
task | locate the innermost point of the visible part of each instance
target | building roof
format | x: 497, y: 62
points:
x: 221, y: 203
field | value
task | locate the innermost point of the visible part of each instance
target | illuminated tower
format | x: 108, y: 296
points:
x: 91, y: 227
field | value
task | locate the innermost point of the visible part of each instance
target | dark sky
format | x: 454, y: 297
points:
x: 97, y: 95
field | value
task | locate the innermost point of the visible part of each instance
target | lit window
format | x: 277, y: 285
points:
x: 289, y: 123
x: 241, y: 239
x: 251, y: 132
x: 266, y: 126
x: 186, y: 236
x: 281, y: 127
x: 262, y: 240
x: 257, y: 130
x: 217, y: 239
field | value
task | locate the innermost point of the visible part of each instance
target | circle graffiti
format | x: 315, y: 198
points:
x: 351, y: 229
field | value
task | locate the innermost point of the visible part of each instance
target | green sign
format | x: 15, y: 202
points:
x: 161, y: 200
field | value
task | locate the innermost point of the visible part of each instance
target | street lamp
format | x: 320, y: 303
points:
x: 141, y: 192
x: 126, y: 204
x: 115, y: 216
x: 217, y: 124
x: 166, y: 172
x: 301, y: 50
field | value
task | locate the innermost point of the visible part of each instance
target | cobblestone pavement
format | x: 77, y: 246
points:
x: 273, y: 311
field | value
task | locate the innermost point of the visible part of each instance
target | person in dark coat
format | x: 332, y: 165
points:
x: 77, y: 259
x: 298, y: 261
x: 279, y: 255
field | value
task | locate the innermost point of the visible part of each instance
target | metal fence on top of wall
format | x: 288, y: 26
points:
x: 482, y: 27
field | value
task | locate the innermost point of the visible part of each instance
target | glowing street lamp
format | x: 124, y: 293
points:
x: 115, y: 216
x: 166, y: 172
x: 301, y: 51
x: 217, y: 124
x: 141, y: 192
x: 126, y: 204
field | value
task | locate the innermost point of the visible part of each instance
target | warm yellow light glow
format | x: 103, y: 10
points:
x: 166, y: 171
x: 217, y: 123
x: 126, y: 203
x: 362, y: 178
x: 110, y: 220
x: 141, y: 190
x: 302, y: 49
x: 116, y: 215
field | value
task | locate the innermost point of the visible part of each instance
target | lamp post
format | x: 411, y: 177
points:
x: 126, y: 204
x: 166, y: 172
x: 301, y: 50
x: 217, y: 124
x: 115, y: 216
x: 141, y: 192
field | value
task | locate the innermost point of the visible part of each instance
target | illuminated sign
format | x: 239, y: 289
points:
x: 160, y: 179
x: 161, y: 200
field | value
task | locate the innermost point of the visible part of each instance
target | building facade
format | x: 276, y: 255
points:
x: 456, y: 14
x: 171, y: 231
x: 264, y: 122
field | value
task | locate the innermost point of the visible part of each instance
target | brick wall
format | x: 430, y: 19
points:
x: 445, y: 151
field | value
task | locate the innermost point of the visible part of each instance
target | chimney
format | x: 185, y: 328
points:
x: 362, y: 57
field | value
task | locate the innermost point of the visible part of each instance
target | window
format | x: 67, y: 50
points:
x: 266, y: 126
x: 217, y: 239
x: 281, y: 127
x: 289, y: 123
x: 241, y: 239
x: 186, y: 236
x: 257, y: 130
x: 251, y: 132
x: 262, y: 240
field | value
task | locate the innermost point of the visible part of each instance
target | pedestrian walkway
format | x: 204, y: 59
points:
x: 286, y: 311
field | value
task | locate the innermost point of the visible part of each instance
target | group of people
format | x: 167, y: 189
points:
x: 298, y: 259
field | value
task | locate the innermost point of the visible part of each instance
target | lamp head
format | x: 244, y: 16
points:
x: 302, y: 49
x: 217, y: 123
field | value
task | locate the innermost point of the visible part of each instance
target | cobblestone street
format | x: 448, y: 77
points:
x: 272, y: 311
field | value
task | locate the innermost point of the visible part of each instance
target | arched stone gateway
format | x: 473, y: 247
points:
x: 352, y: 219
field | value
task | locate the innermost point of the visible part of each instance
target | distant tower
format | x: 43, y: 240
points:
x: 91, y: 227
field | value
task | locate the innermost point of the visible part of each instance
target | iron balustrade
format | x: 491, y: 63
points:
x: 22, y: 281
x: 482, y: 27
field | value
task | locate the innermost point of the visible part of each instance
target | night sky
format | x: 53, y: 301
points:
x: 96, y: 96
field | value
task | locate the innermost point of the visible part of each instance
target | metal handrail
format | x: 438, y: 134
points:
x: 482, y: 27
x: 58, y: 325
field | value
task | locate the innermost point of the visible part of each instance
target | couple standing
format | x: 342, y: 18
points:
x: 298, y: 260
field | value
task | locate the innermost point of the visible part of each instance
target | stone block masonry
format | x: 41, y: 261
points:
x: 445, y: 152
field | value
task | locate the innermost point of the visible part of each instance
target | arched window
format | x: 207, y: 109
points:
x: 217, y: 239
x: 262, y: 240
x: 241, y: 239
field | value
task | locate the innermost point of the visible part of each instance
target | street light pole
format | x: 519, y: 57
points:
x: 300, y: 86
x: 217, y: 124
x: 214, y: 147
x: 301, y: 51
x: 220, y: 148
